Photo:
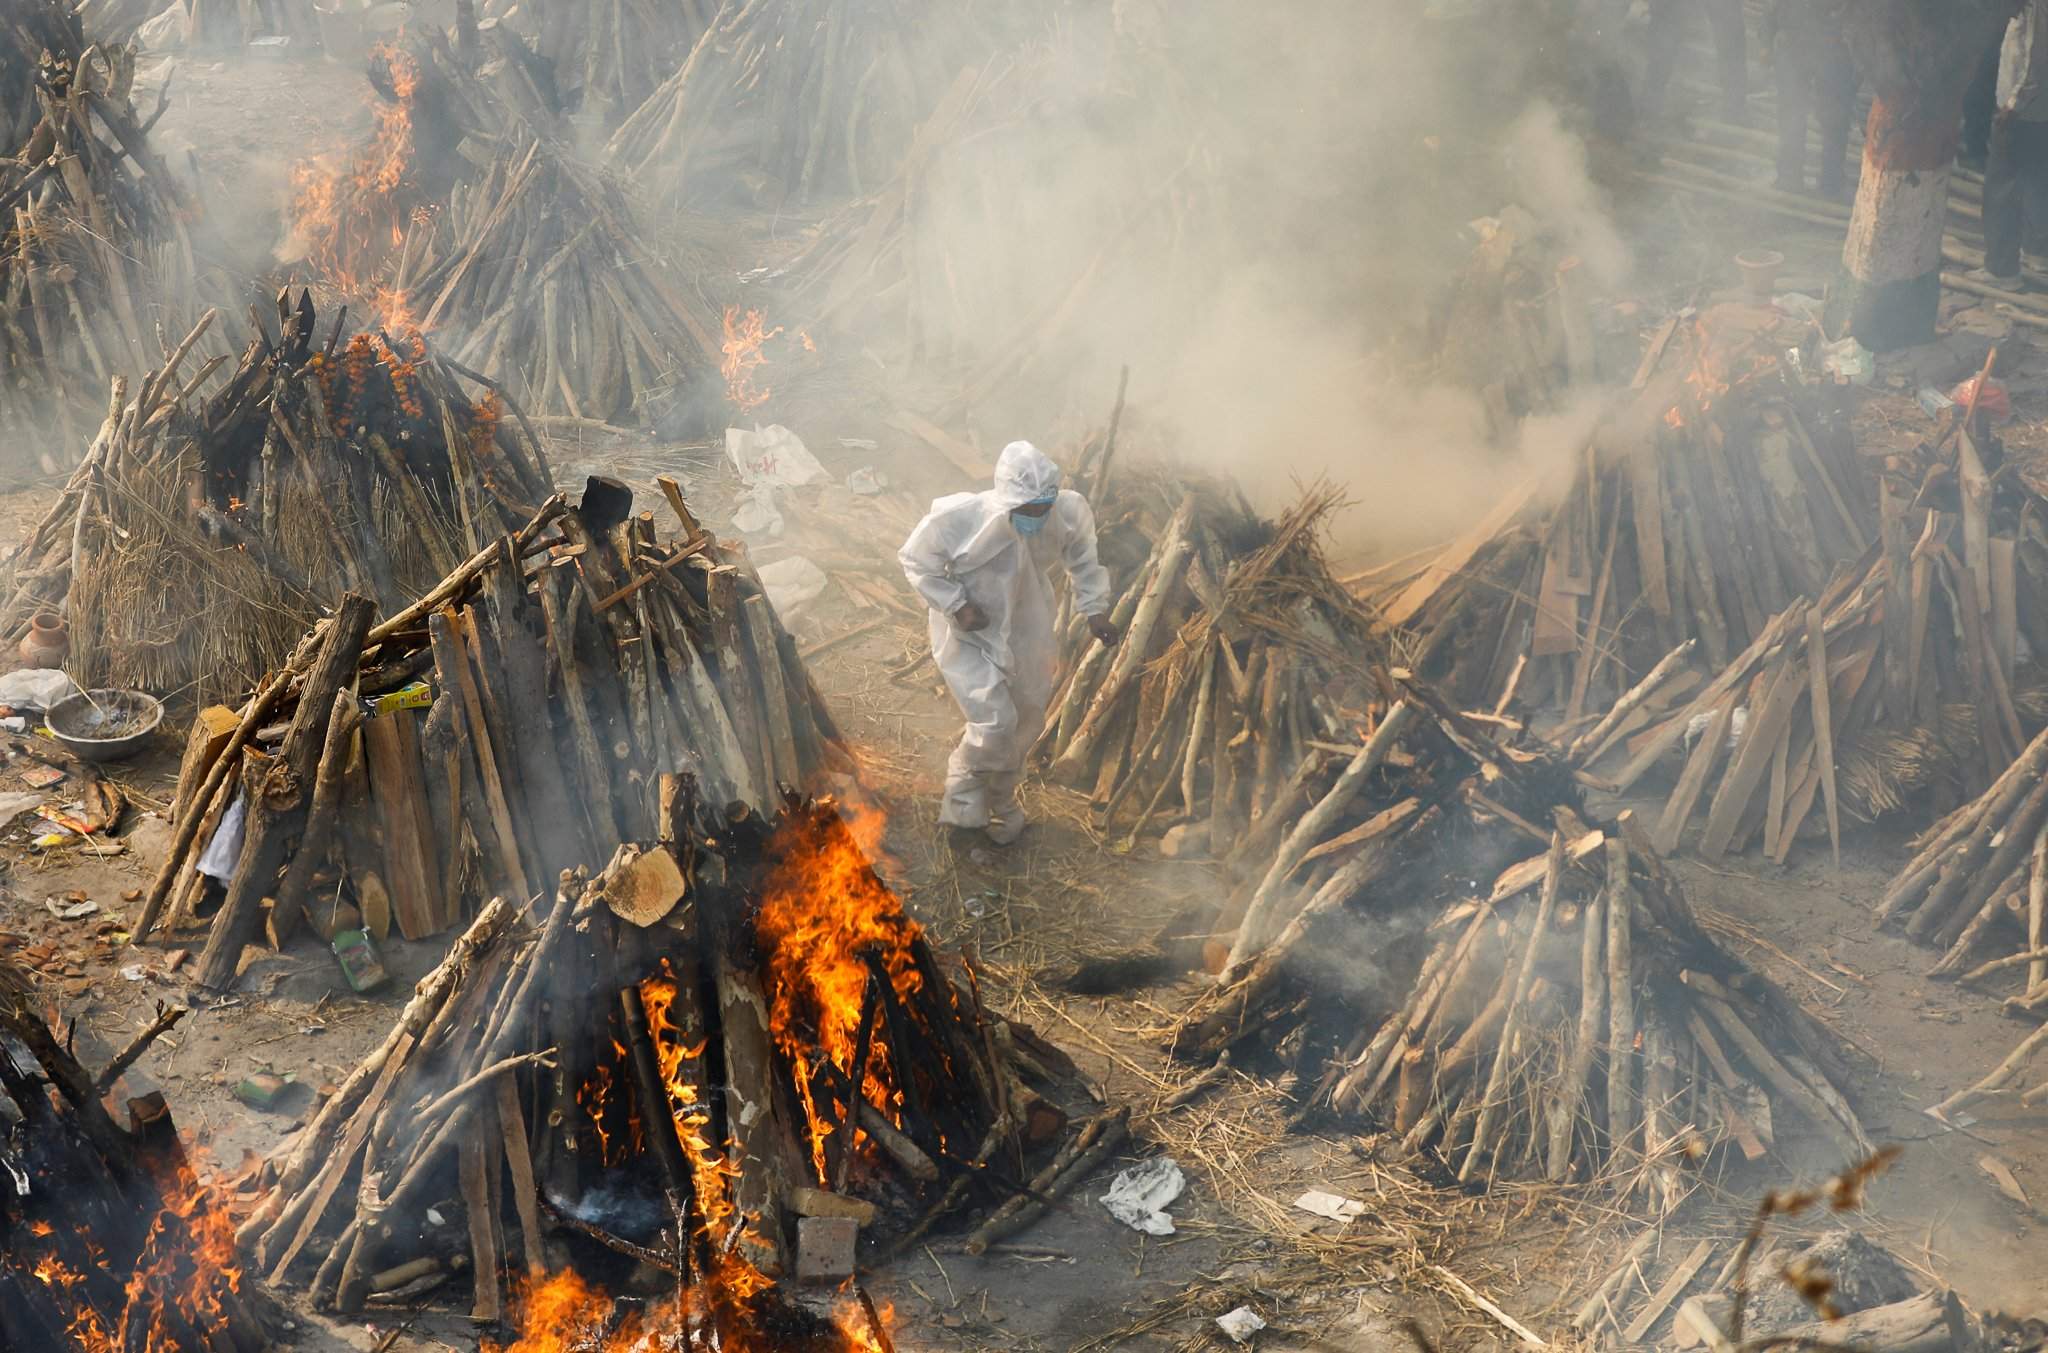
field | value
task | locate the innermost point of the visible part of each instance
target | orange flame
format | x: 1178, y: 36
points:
x: 176, y: 1284
x: 744, y: 335
x: 350, y: 211
x: 823, y: 907
x: 563, y: 1313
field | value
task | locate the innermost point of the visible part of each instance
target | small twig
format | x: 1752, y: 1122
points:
x: 167, y: 1017
x: 433, y: 1109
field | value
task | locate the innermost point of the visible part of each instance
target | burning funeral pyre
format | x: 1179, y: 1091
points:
x: 200, y: 534
x: 1416, y: 956
x: 514, y: 721
x: 96, y: 254
x: 1793, y: 634
x: 702, y: 1062
x: 467, y: 213
x: 110, y: 1242
x: 1394, y: 933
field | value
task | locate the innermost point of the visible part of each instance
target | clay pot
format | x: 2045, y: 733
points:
x: 48, y: 641
x: 1759, y: 268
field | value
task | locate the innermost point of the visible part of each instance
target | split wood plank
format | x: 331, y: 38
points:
x: 1823, y: 726
x: 446, y: 627
x: 1452, y: 561
x: 1660, y: 1301
x: 1692, y: 781
x: 1752, y: 758
x: 761, y: 629
x: 391, y: 749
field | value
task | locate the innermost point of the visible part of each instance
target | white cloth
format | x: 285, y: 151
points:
x: 2023, y: 64
x: 1001, y: 677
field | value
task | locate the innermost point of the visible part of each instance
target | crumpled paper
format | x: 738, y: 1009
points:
x: 1240, y: 1324
x: 1332, y: 1205
x: 1138, y: 1196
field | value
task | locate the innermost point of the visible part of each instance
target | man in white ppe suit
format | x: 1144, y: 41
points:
x: 979, y: 560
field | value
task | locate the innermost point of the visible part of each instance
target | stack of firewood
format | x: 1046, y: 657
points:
x: 201, y: 533
x: 605, y: 57
x: 513, y: 722
x: 96, y: 257
x: 679, y: 1058
x: 1979, y: 881
x: 112, y: 1240
x: 1417, y: 957
x: 468, y: 212
x: 792, y: 102
x: 540, y: 267
x: 1901, y: 685
x: 1241, y: 678
x: 1716, y: 496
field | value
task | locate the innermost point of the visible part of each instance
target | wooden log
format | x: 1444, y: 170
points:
x: 2037, y: 910
x: 1767, y: 725
x: 315, y: 1140
x: 1973, y: 931
x: 1807, y: 1098
x: 1260, y: 916
x: 451, y: 588
x: 1074, y: 1163
x: 2000, y: 1076
x: 1951, y: 858
x: 1621, y: 1010
x: 767, y: 666
x: 184, y: 833
x: 2015, y: 838
x: 736, y: 685
x: 453, y: 671
x: 1242, y: 989
x: 320, y: 819
x: 1175, y: 545
x: 1573, y: 1088
x: 563, y: 615
x: 476, y: 1170
x: 1823, y: 725
x: 556, y: 828
x: 657, y: 1115
x: 764, y: 1153
x: 1593, y: 743
x: 1496, y: 1080
x: 391, y: 756
x: 1933, y: 1322
x: 211, y: 730
x: 277, y: 798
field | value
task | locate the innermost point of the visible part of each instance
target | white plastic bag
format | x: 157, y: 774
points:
x: 1138, y: 1196
x: 217, y: 861
x: 771, y: 455
x: 36, y: 687
x: 792, y: 583
x: 757, y: 514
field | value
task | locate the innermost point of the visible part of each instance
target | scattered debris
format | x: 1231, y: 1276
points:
x: 1138, y: 1197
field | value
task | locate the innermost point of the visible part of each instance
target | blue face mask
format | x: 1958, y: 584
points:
x: 1031, y: 526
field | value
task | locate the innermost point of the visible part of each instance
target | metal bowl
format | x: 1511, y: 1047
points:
x: 108, y: 726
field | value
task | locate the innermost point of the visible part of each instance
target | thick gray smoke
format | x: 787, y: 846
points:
x: 1257, y: 208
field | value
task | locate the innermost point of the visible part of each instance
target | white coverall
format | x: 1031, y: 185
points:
x: 967, y: 549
